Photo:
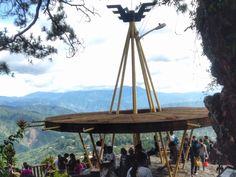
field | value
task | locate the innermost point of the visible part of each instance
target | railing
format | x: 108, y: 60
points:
x: 39, y: 170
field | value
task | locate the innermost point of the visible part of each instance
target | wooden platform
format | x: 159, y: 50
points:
x: 128, y: 122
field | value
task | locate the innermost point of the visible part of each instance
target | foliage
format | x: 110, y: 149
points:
x: 24, y: 15
x: 58, y: 174
x: 7, y: 151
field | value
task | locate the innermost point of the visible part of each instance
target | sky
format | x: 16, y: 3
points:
x: 174, y: 56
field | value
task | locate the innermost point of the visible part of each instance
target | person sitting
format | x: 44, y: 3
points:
x: 71, y: 165
x: 123, y: 163
x: 110, y: 156
x: 130, y: 157
x: 140, y: 169
x: 26, y: 171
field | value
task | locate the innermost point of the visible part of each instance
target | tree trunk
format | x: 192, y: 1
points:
x: 216, y: 22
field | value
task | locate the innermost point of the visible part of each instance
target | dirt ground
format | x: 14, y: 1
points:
x: 210, y: 171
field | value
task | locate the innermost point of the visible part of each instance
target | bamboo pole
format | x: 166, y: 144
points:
x: 36, y: 125
x: 148, y: 93
x: 150, y: 78
x: 188, y: 148
x: 165, y: 156
x: 120, y: 68
x: 113, y: 140
x: 102, y: 148
x: 51, y: 128
x: 132, y: 26
x: 88, y: 129
x: 160, y: 153
x: 85, y: 150
x: 180, y: 153
x: 36, y: 121
x: 95, y: 150
x: 123, y: 75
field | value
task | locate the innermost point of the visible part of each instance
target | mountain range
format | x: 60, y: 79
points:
x: 39, y: 105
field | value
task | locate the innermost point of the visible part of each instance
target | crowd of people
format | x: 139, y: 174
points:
x: 68, y: 163
x: 133, y: 162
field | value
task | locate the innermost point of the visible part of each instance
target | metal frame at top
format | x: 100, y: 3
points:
x: 130, y: 15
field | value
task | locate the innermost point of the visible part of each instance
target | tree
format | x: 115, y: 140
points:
x: 7, y: 151
x: 26, y: 14
x: 215, y: 21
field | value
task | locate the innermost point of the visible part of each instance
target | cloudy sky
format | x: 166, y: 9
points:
x: 174, y: 57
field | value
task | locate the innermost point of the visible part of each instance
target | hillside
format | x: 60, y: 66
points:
x: 38, y: 106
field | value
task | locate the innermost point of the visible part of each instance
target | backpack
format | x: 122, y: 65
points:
x: 176, y: 140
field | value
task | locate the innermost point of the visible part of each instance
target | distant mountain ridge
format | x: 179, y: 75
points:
x: 99, y: 100
x: 39, y: 105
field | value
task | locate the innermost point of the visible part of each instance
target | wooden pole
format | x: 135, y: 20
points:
x: 134, y: 95
x: 188, y: 148
x: 160, y: 147
x: 123, y: 74
x: 124, y: 55
x: 113, y: 139
x: 180, y: 153
x: 165, y: 156
x: 150, y: 78
x: 51, y: 128
x: 95, y: 150
x: 85, y: 150
x: 35, y: 125
x: 102, y: 148
x: 144, y: 72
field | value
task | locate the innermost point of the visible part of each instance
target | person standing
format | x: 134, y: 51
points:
x: 173, y: 145
x: 203, y: 152
x: 194, y: 153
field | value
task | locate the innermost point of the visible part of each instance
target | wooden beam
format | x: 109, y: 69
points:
x: 88, y: 129
x: 36, y: 125
x: 51, y: 128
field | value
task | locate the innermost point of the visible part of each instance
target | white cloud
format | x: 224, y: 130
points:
x: 184, y: 69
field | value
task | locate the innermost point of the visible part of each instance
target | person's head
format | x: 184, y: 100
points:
x: 25, y: 165
x: 123, y: 151
x: 131, y: 151
x: 171, y: 132
x: 99, y: 143
x: 66, y: 155
x: 72, y: 156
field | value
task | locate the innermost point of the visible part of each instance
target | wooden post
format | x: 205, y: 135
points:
x: 160, y: 147
x: 165, y: 156
x: 102, y: 148
x: 85, y: 150
x: 113, y: 139
x: 188, y: 148
x: 95, y: 150
x: 134, y: 96
x: 124, y: 55
x: 180, y: 153
x: 144, y: 72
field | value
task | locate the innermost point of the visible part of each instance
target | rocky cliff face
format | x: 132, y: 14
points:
x: 216, y: 22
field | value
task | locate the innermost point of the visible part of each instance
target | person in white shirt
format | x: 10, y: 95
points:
x: 140, y: 169
x: 203, y: 152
